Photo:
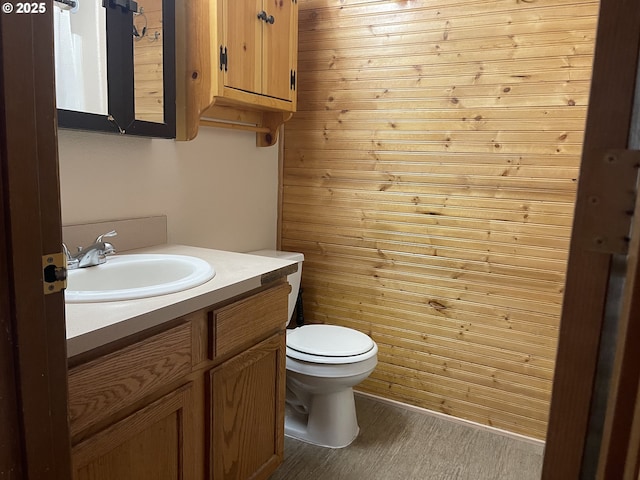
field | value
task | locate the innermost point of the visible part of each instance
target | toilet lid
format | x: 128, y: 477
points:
x: 328, y: 341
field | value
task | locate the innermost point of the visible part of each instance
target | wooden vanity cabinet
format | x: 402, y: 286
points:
x: 239, y: 62
x: 246, y: 411
x: 202, y: 399
x: 136, y: 406
x: 245, y: 394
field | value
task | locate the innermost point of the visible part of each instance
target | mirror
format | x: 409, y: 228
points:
x: 80, y: 42
x: 115, y: 65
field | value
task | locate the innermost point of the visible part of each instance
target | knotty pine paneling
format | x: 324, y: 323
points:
x: 429, y: 178
x: 148, y: 63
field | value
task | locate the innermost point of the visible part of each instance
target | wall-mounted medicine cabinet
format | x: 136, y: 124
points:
x: 115, y: 66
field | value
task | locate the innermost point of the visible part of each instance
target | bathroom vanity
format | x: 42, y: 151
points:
x: 160, y: 390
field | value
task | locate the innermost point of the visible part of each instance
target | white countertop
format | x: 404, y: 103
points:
x: 90, y: 325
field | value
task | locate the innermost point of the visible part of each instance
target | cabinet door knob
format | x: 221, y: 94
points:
x: 267, y: 18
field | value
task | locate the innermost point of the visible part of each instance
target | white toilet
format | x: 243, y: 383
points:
x: 324, y: 362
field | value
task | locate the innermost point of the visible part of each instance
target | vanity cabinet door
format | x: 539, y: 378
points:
x: 246, y: 413
x: 155, y: 442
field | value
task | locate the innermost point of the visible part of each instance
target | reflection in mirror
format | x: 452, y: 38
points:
x: 81, y: 56
x: 147, y: 61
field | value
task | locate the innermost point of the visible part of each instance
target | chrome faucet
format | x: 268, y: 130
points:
x: 94, y: 254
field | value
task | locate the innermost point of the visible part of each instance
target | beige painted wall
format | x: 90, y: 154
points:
x: 218, y: 191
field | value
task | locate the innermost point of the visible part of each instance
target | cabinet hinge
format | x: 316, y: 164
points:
x: 604, y: 224
x: 223, y: 58
x: 293, y: 80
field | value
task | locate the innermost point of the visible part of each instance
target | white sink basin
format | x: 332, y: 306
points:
x: 128, y: 277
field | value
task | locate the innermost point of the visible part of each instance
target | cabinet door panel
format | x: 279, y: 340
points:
x: 277, y: 52
x: 246, y: 411
x: 243, y: 39
x: 155, y: 442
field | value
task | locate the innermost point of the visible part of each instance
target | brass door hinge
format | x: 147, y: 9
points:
x: 54, y: 272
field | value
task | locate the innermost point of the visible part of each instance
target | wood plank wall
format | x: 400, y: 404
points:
x: 148, y: 66
x: 429, y: 178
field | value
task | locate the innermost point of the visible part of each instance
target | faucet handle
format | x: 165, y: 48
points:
x: 109, y: 249
x: 112, y: 233
x: 66, y: 251
x: 72, y: 263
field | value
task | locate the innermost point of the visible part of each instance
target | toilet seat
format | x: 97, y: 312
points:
x: 329, y: 344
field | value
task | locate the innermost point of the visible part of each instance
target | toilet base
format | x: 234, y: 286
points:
x: 331, y: 421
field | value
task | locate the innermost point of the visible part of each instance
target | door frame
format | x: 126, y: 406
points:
x: 33, y: 393
x: 607, y: 129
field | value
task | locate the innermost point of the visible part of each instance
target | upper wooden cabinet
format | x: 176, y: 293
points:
x: 258, y: 48
x: 237, y: 62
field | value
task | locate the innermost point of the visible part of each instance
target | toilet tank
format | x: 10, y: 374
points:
x: 293, y: 279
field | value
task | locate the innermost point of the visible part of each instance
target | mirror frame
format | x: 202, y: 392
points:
x: 120, y: 81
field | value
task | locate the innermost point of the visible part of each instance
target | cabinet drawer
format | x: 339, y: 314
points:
x: 101, y: 387
x: 244, y: 323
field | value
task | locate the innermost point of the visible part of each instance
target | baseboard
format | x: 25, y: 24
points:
x: 469, y: 423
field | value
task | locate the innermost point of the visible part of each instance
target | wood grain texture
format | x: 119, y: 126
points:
x: 246, y: 408
x: 279, y: 53
x: 243, y: 40
x: 260, y: 59
x: 429, y: 177
x: 155, y: 442
x: 34, y: 394
x: 103, y: 386
x: 144, y: 410
x: 148, y: 67
x: 608, y: 122
x: 266, y: 312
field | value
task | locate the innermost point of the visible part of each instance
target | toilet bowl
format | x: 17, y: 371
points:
x: 324, y: 363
